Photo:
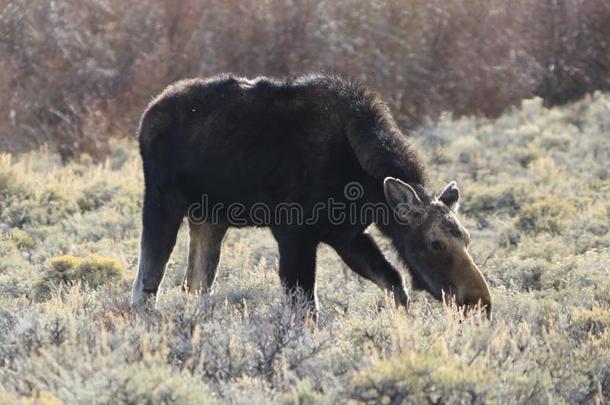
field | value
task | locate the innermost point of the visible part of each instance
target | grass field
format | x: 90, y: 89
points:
x: 536, y: 200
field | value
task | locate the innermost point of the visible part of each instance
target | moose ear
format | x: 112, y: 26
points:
x: 450, y: 196
x: 399, y: 193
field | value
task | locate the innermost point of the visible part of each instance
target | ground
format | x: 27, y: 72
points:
x: 535, y: 185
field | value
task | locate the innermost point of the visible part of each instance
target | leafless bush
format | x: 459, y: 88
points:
x: 75, y: 73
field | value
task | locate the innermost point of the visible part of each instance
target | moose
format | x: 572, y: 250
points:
x: 299, y: 140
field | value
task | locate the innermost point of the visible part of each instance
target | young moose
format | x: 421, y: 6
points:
x: 266, y: 142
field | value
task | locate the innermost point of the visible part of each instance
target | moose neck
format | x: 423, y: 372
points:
x: 380, y: 147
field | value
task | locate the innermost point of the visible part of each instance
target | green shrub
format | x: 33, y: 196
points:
x: 595, y: 320
x: 524, y: 275
x: 91, y: 271
x: 22, y: 239
x: 419, y: 377
x: 527, y: 157
x: 481, y: 199
x: 157, y: 384
x: 11, y: 183
x: 95, y: 196
x: 46, y: 208
x: 546, y: 214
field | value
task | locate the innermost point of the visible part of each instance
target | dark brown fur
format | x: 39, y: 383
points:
x: 271, y: 142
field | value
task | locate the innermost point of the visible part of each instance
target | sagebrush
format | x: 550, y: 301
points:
x: 535, y: 184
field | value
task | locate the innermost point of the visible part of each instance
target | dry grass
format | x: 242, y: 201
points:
x: 535, y: 183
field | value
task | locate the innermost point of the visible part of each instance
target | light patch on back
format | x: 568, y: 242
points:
x: 245, y: 83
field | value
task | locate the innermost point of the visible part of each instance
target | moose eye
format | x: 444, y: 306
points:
x: 435, y: 245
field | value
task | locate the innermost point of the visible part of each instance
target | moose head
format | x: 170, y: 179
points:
x: 434, y: 245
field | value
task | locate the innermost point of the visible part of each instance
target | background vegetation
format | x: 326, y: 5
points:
x: 74, y: 79
x: 68, y: 65
x: 535, y: 183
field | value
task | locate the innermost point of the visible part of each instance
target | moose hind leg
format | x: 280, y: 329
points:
x: 204, y: 255
x: 161, y: 220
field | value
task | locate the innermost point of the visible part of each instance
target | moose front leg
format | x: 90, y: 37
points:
x: 363, y: 256
x: 298, y: 266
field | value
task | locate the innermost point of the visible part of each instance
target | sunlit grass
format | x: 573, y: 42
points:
x: 535, y: 199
